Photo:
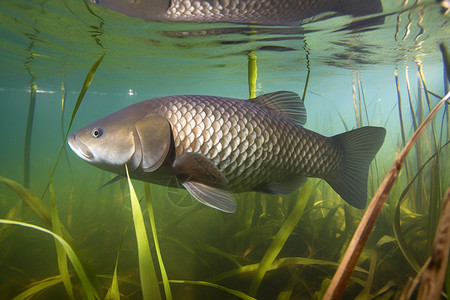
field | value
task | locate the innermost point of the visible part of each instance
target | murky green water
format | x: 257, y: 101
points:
x: 53, y: 44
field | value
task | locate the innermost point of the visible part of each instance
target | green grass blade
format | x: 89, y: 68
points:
x: 278, y: 263
x: 149, y: 282
x: 86, y: 84
x: 113, y: 292
x: 280, y: 239
x: 434, y: 201
x: 308, y: 68
x: 61, y: 255
x: 30, y: 199
x: 446, y: 59
x: 63, y: 109
x: 252, y: 74
x: 164, y: 277
x: 27, y: 147
x: 236, y: 293
x: 43, y: 212
x: 89, y: 289
x: 38, y: 287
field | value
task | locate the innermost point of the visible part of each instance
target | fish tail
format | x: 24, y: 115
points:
x: 360, y: 146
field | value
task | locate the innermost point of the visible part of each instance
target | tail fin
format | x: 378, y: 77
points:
x: 360, y: 146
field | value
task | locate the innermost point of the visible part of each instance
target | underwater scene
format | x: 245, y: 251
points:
x: 295, y: 149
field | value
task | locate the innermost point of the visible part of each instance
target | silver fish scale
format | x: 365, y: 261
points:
x: 241, y: 10
x: 250, y: 144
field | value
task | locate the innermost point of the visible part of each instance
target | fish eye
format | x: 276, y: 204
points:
x: 97, y: 132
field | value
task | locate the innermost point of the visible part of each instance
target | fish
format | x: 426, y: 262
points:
x: 216, y: 147
x: 262, y: 12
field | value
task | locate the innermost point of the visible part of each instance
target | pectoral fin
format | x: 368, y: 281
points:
x: 204, y: 181
x: 154, y: 137
x: 211, y: 196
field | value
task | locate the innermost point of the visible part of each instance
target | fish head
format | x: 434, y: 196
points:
x: 128, y: 137
x: 108, y: 144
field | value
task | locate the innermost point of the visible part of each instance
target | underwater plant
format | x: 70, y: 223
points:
x: 273, y: 247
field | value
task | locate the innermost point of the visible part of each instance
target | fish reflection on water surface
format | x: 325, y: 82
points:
x: 216, y: 146
x: 264, y: 12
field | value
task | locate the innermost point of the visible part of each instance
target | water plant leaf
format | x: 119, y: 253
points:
x: 37, y: 287
x: 165, y: 279
x: 88, y: 288
x: 446, y: 59
x: 43, y: 212
x: 351, y: 256
x: 280, y: 238
x: 252, y: 74
x: 280, y: 263
x: 86, y: 84
x: 61, y: 255
x: 113, y: 292
x: 149, y: 282
x: 239, y: 294
x: 27, y: 147
x: 30, y: 199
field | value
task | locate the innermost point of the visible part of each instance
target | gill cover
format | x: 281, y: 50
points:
x: 154, y: 140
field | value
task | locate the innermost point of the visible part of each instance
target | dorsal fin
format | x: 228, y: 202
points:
x: 286, y: 103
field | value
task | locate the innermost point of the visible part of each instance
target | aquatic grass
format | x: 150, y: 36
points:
x: 308, y: 68
x: 63, y: 109
x: 397, y: 221
x: 193, y: 246
x: 147, y: 273
x: 38, y: 287
x: 281, y: 263
x: 86, y: 84
x: 236, y: 293
x: 113, y: 291
x: 61, y: 255
x: 342, y: 275
x: 446, y: 60
x: 28, y: 134
x: 165, y: 279
x: 252, y: 74
x: 280, y: 238
x: 30, y: 199
x: 88, y: 287
x: 44, y: 213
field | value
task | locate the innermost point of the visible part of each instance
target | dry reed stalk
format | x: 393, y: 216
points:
x: 434, y: 274
x: 342, y: 276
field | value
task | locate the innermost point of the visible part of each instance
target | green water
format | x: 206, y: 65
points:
x: 53, y: 44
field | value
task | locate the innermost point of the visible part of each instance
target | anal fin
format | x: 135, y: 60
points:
x: 284, y: 186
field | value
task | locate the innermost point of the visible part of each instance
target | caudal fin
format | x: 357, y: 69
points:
x: 360, y: 146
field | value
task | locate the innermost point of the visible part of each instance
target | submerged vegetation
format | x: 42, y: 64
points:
x: 272, y: 248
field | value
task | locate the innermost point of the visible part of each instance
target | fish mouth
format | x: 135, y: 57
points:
x: 80, y: 148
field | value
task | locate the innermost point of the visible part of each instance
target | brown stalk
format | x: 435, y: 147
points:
x: 342, y: 276
x: 434, y: 274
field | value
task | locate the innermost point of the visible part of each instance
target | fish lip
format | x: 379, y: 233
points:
x: 80, y: 148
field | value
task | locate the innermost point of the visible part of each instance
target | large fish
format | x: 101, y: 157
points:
x: 217, y: 146
x: 268, y: 12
